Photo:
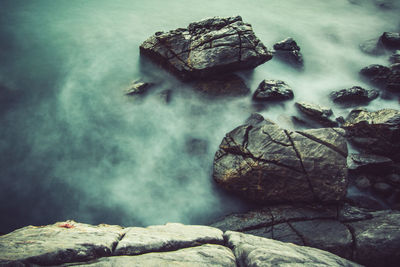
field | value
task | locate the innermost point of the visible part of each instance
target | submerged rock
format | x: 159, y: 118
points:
x: 373, y: 47
x: 376, y: 132
x: 354, y: 95
x: 289, y: 51
x: 226, y: 85
x: 273, y: 90
x: 369, y: 163
x: 317, y: 113
x: 207, y: 48
x: 391, y: 40
x: 395, y: 58
x: 265, y: 163
x: 385, y: 77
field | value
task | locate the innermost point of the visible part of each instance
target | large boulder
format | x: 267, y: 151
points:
x: 207, y: 48
x: 265, y: 163
x: 376, y: 132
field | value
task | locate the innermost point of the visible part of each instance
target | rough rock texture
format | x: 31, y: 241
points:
x: 58, y: 243
x: 385, y: 77
x: 265, y: 163
x: 376, y: 132
x: 207, y: 48
x: 138, y: 87
x: 172, y: 236
x: 368, y: 163
x: 354, y: 95
x: 273, y: 90
x: 346, y: 230
x: 317, y: 113
x: 395, y: 58
x: 256, y: 251
x: 289, y: 51
x: 231, y: 85
x: 391, y: 40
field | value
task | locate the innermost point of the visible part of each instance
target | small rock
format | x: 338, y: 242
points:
x: 289, y: 51
x: 138, y: 88
x: 391, y: 40
x: 318, y: 113
x: 273, y: 90
x: 383, y: 189
x: 230, y: 85
x: 165, y: 96
x: 363, y: 183
x: 369, y: 163
x: 354, y: 95
x: 395, y: 58
x: 372, y: 47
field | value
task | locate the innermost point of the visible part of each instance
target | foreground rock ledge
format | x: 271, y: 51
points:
x: 207, y: 48
x: 70, y: 244
x: 265, y: 163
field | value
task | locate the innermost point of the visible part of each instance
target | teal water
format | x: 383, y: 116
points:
x: 73, y: 146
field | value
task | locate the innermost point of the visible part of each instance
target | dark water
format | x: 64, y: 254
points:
x: 74, y: 147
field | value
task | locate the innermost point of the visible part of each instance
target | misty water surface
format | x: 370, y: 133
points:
x: 73, y: 146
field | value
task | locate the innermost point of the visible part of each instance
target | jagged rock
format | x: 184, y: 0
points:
x: 317, y: 113
x: 376, y: 132
x: 58, y: 243
x: 138, y: 88
x: 395, y: 58
x: 289, y: 51
x: 256, y: 251
x: 265, y: 163
x: 273, y: 90
x: 369, y: 163
x: 391, y: 40
x: 373, y: 47
x: 231, y: 85
x: 386, y: 77
x: 354, y: 95
x: 378, y: 240
x: 201, y: 256
x: 207, y: 48
x: 172, y: 236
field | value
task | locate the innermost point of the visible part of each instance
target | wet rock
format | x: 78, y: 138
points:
x: 165, y: 96
x: 395, y: 58
x: 366, y: 201
x: 289, y: 51
x: 385, y: 77
x: 58, y: 243
x: 373, y: 47
x: 393, y: 81
x: 369, y: 163
x: 383, y: 189
x: 226, y: 85
x: 349, y: 213
x: 273, y: 90
x: 391, y: 40
x: 265, y: 163
x: 376, y: 132
x: 317, y: 113
x: 362, y: 183
x: 393, y: 178
x: 207, y: 48
x: 138, y: 88
x: 171, y: 236
x: 378, y: 240
x: 199, y: 256
x: 354, y: 95
x: 256, y: 251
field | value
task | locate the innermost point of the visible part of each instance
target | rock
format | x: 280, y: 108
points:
x: 391, y: 40
x: 273, y: 90
x: 289, y: 51
x: 373, y: 47
x: 369, y: 163
x: 256, y: 251
x: 383, y: 189
x: 376, y: 132
x: 348, y: 213
x: 354, y: 95
x: 59, y: 243
x: 165, y: 96
x: 317, y: 113
x: 200, y: 256
x: 366, y: 201
x: 362, y: 183
x: 207, y: 48
x: 385, y: 77
x: 378, y: 240
x: 231, y: 85
x: 171, y: 236
x: 138, y: 88
x: 395, y: 58
x: 265, y: 163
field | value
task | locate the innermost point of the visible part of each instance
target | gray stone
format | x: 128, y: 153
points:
x: 59, y: 243
x: 207, y: 48
x: 273, y: 90
x: 395, y: 58
x: 391, y: 40
x: 256, y: 251
x: 355, y: 95
x: 138, y: 88
x: 171, y: 236
x: 369, y: 163
x: 317, y: 113
x: 384, y: 77
x: 265, y: 163
x: 201, y: 256
x: 289, y: 51
x: 362, y: 182
x: 373, y: 47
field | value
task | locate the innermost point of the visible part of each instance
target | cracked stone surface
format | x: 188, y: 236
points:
x: 273, y: 90
x: 265, y: 163
x: 376, y: 132
x: 207, y: 48
x: 172, y: 236
x: 256, y: 251
x: 355, y: 95
x: 382, y: 76
x: 317, y: 113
